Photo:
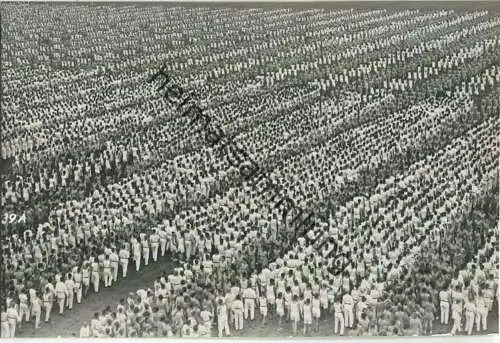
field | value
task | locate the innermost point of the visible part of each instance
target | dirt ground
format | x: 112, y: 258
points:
x: 68, y: 325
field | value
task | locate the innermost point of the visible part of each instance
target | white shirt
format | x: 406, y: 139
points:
x: 60, y: 288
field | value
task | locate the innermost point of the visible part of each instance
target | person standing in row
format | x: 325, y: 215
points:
x: 162, y: 234
x: 48, y: 300
x: 295, y: 313
x: 108, y: 274
x: 136, y: 250
x: 115, y: 262
x: 338, y: 317
x: 78, y: 278
x: 70, y: 291
x: 444, y: 297
x: 4, y: 317
x: 86, y: 278
x: 263, y: 305
x: 145, y: 248
x: 36, y: 309
x: 237, y: 309
x: 24, y: 310
x: 481, y: 312
x: 61, y: 293
x: 94, y: 266
x: 222, y: 323
x: 308, y: 316
x: 470, y: 311
x: 249, y: 297
x: 155, y: 243
x: 348, y: 305
x: 124, y: 255
x: 456, y: 315
x: 316, y: 310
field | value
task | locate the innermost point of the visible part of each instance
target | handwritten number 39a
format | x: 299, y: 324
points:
x: 9, y: 218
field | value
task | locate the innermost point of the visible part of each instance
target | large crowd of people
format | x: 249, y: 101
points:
x: 381, y: 123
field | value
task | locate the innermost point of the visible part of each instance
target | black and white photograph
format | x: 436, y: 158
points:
x: 236, y: 170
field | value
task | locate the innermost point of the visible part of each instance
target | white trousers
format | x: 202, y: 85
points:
x: 348, y: 316
x: 482, y: 318
x: 339, y: 323
x: 223, y: 326
x: 445, y: 312
x: 249, y: 308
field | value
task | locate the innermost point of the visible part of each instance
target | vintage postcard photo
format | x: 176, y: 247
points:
x: 249, y: 169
